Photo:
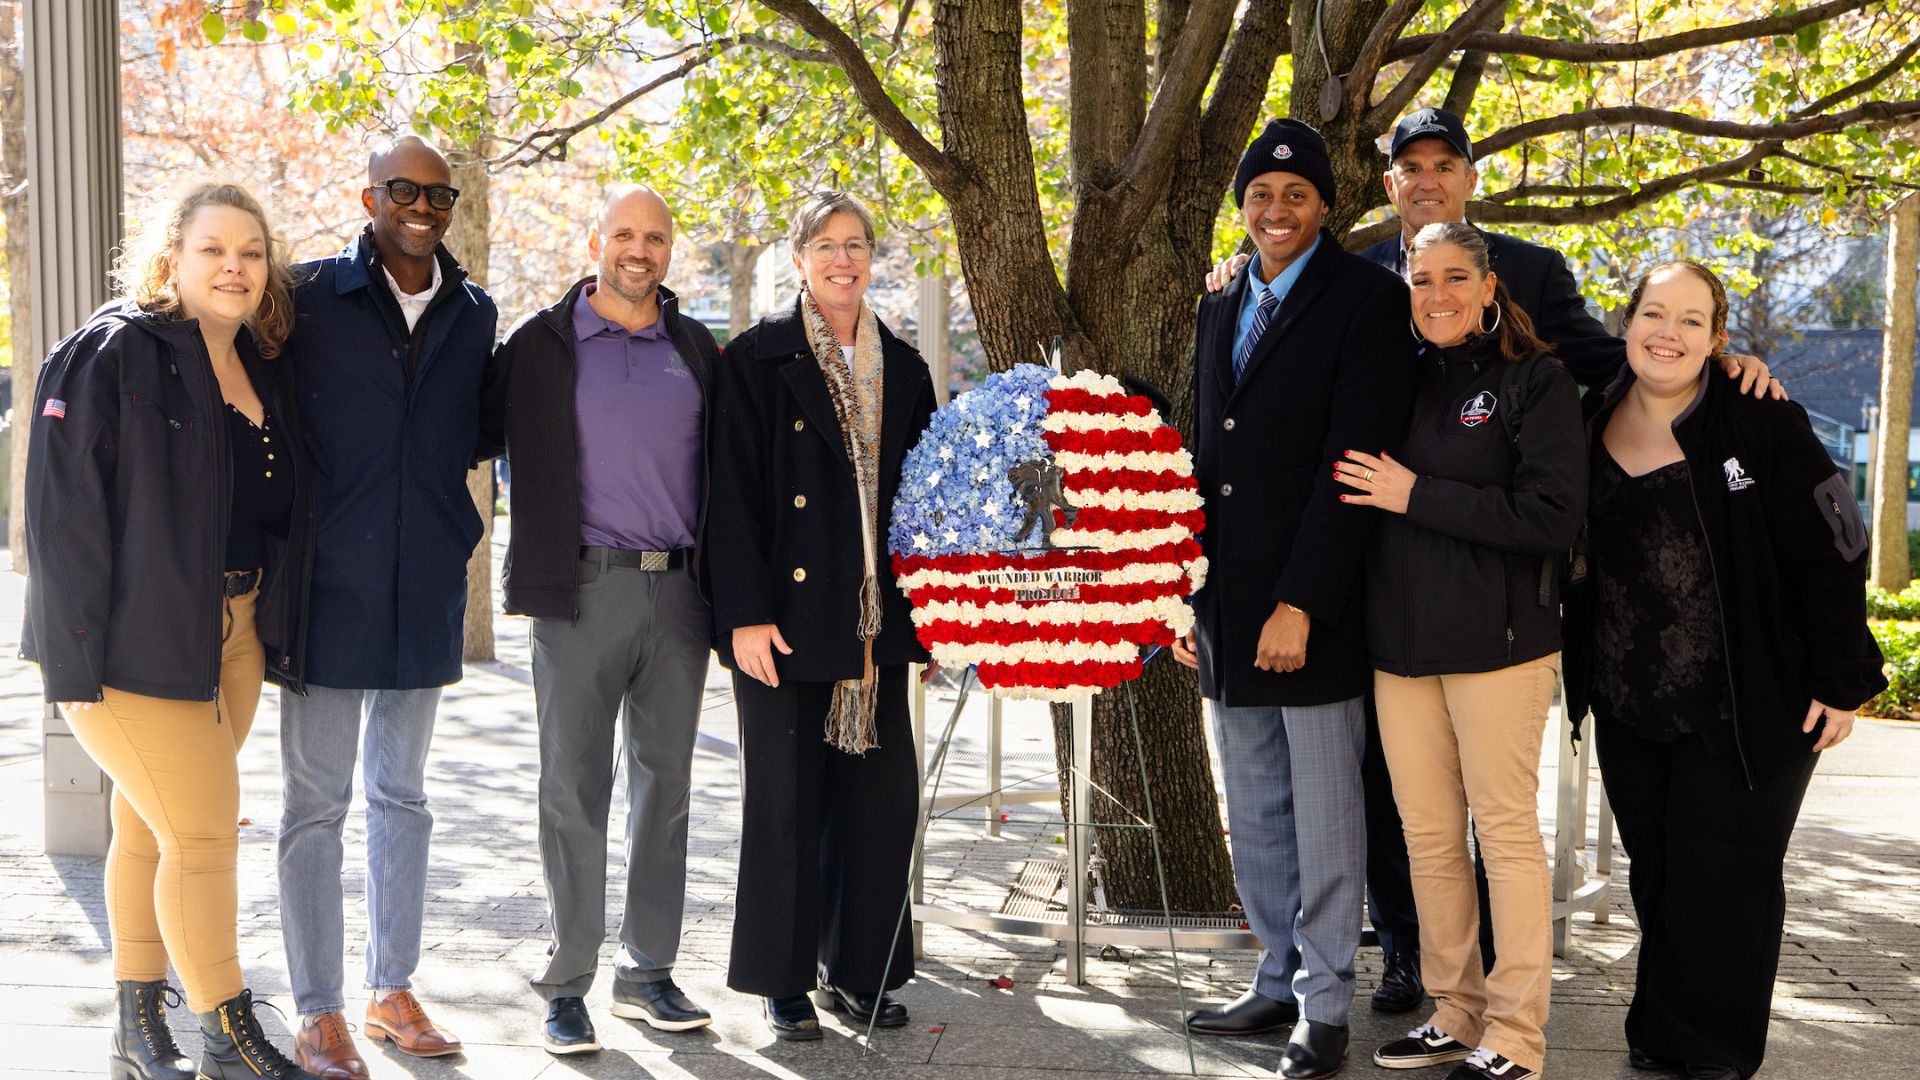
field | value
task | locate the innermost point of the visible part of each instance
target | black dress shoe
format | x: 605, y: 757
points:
x: 1400, y: 988
x: 1704, y: 1070
x: 1252, y: 1013
x: 660, y: 1003
x: 861, y: 1007
x: 1315, y: 1049
x: 1640, y: 1059
x: 792, y: 1018
x: 569, y: 1030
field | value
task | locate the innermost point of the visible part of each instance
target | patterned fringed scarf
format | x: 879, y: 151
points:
x: 856, y: 400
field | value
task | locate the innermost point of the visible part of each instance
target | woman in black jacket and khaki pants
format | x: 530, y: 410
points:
x: 1463, y: 624
x: 168, y: 539
x: 1721, y: 641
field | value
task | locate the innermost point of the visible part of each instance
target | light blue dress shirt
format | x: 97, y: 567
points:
x: 1281, y: 284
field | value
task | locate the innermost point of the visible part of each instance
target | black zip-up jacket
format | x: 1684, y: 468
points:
x: 1465, y: 580
x: 129, y: 488
x: 529, y: 400
x: 1788, y: 550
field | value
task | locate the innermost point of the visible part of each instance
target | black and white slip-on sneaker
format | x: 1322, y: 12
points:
x: 1425, y: 1045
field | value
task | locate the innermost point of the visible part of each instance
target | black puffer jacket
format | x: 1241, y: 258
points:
x: 1465, y: 580
x: 129, y: 485
x: 1789, y: 556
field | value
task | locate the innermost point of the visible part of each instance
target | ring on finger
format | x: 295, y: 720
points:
x: 1369, y: 476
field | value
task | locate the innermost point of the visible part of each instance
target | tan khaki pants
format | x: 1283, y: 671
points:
x: 170, y: 879
x: 1456, y: 743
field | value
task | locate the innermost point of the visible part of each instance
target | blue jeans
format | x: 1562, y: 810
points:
x: 319, y: 734
x: 1298, y: 824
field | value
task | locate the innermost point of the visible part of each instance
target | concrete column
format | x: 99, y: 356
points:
x: 73, y: 163
x: 935, y: 304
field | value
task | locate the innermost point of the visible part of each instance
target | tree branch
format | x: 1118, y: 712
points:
x: 1605, y: 52
x: 1090, y: 95
x: 1264, y: 36
x: 940, y: 170
x: 1492, y: 212
x: 1373, y: 51
x: 555, y: 139
x: 1855, y: 89
x: 1429, y: 62
x: 1466, y: 78
x: 1872, y: 112
x: 1148, y: 169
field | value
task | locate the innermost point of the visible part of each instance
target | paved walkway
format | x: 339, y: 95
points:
x: 1847, y: 1003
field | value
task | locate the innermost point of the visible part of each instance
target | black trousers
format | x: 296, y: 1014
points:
x: 826, y: 844
x: 1707, y: 855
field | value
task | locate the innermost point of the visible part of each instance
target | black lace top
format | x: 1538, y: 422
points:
x: 1659, y: 655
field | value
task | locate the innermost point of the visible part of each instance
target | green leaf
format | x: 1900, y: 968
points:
x: 254, y: 30
x: 214, y: 26
x: 1807, y: 38
x: 519, y: 41
x: 285, y: 25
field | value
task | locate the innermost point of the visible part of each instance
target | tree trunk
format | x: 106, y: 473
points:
x: 13, y: 203
x: 467, y: 239
x: 1890, y: 570
x: 741, y: 260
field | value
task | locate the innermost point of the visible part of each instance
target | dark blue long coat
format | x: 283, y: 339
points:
x: 392, y: 425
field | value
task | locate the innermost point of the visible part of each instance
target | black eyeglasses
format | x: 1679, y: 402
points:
x: 405, y: 192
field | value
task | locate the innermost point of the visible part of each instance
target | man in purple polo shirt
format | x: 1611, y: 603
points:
x: 603, y: 399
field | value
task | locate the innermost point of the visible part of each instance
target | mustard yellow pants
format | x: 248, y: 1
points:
x: 171, y: 870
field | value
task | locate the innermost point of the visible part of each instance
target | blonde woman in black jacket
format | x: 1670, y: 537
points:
x: 167, y: 535
x: 1721, y: 641
x: 1463, y: 625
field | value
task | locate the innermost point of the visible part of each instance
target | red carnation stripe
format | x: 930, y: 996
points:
x: 1096, y: 519
x: 1183, y: 551
x: 1058, y: 676
x: 1163, y: 439
x: 1128, y: 480
x: 1075, y: 400
x: 1016, y: 633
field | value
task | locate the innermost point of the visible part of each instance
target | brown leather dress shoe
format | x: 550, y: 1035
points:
x: 326, y: 1049
x: 399, y: 1019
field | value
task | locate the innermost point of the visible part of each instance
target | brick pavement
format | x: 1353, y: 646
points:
x: 1849, y: 993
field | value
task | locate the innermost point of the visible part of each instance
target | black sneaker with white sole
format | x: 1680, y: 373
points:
x: 568, y: 1030
x: 1484, y: 1064
x: 1425, y: 1045
x: 660, y: 1003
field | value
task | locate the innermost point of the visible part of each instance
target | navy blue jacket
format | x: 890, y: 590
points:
x: 1539, y: 281
x: 392, y: 425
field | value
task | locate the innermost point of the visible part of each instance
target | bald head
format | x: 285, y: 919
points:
x: 393, y: 157
x: 633, y: 244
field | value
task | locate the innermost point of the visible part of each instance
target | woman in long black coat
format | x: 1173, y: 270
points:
x: 815, y: 407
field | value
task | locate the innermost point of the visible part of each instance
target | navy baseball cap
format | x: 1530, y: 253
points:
x: 1431, y: 124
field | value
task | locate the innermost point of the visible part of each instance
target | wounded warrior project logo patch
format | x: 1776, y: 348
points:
x: 1479, y: 410
x: 1282, y: 152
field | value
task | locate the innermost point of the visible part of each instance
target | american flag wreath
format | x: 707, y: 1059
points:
x: 1045, y: 533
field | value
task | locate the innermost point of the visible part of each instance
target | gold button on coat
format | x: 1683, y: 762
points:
x: 799, y: 425
x: 799, y: 502
x: 799, y: 573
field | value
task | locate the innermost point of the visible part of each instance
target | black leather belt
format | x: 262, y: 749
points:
x: 241, y: 582
x: 634, y: 560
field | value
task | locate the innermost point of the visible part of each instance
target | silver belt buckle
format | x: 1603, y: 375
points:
x: 655, y: 561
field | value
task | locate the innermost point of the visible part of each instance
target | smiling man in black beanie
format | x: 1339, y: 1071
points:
x: 1304, y: 356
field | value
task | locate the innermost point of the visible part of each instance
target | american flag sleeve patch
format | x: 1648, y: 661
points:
x: 55, y: 408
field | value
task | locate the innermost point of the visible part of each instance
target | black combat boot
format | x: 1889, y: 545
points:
x: 236, y: 1048
x: 143, y: 1047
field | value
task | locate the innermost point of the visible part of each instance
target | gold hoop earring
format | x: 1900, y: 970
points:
x: 1484, y: 328
x: 1416, y: 331
x: 270, y: 306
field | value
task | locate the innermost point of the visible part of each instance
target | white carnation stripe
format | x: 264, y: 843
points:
x: 1111, y: 421
x: 1173, y: 502
x: 1038, y: 652
x: 1108, y: 540
x: 1163, y: 609
x: 1179, y: 463
x: 1089, y: 380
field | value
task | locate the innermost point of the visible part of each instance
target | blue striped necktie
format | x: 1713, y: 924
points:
x: 1262, y: 317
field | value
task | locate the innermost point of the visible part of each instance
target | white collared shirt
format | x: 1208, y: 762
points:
x: 413, y: 305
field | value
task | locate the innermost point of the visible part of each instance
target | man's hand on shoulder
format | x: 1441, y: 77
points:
x: 1754, y: 376
x: 1222, y: 275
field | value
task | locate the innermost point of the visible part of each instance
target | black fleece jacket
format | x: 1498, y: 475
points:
x: 1464, y: 581
x: 1788, y: 550
x: 129, y: 485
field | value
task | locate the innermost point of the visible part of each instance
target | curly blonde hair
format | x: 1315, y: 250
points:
x: 145, y: 277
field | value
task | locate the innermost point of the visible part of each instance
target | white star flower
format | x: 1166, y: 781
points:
x: 1023, y: 401
x: 992, y: 509
x: 921, y: 540
x: 952, y: 537
x: 946, y: 453
x: 983, y: 440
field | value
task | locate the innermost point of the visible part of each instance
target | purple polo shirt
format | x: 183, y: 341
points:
x: 637, y: 408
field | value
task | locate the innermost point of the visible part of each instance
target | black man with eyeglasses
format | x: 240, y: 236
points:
x: 389, y: 348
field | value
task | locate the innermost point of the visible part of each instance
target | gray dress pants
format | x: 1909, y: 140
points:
x: 637, y: 652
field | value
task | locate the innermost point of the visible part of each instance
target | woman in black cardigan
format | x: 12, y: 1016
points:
x: 815, y: 407
x: 1721, y: 641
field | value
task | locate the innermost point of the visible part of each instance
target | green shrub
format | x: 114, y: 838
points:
x: 1900, y: 644
x: 1904, y: 604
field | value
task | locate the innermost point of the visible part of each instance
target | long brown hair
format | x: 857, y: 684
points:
x: 1518, y: 340
x: 145, y: 276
